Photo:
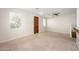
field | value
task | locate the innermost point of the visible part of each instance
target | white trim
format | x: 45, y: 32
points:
x: 15, y: 38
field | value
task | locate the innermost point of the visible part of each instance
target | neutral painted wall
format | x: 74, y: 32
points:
x: 27, y: 27
x: 61, y: 23
x: 77, y: 17
x: 77, y: 39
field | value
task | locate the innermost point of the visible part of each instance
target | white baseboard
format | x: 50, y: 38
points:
x: 18, y: 37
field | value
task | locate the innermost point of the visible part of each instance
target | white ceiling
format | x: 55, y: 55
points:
x: 47, y: 12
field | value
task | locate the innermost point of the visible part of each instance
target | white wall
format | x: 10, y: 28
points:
x: 27, y: 27
x: 77, y: 17
x: 61, y: 23
x: 77, y: 39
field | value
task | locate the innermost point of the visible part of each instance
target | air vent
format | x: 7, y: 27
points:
x: 56, y: 14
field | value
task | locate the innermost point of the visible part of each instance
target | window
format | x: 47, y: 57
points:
x: 44, y: 23
x: 15, y: 21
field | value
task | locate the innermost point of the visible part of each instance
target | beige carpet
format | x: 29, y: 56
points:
x: 47, y: 41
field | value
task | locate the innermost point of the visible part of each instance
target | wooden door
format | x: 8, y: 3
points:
x: 36, y: 25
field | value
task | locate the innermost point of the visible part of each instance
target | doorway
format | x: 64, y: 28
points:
x: 36, y: 24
